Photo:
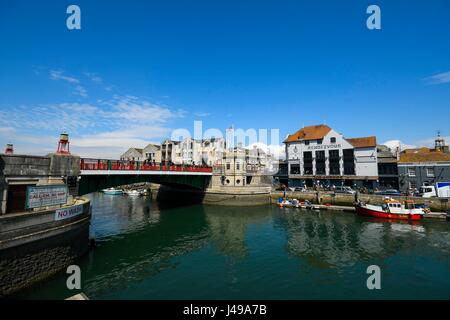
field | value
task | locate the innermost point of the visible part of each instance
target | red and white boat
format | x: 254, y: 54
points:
x: 391, y: 209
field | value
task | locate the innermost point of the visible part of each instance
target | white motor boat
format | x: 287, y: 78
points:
x: 112, y: 191
x: 133, y: 193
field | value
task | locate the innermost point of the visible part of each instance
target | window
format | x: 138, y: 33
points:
x: 228, y: 166
x: 412, y: 172
x: 333, y: 140
x: 334, y: 154
x: 237, y: 166
x: 320, y: 163
x: 320, y: 155
x: 430, y: 172
x: 319, y: 141
x: 295, y: 169
x: 307, y: 163
x: 307, y: 143
x: 349, y: 162
x: 334, y: 160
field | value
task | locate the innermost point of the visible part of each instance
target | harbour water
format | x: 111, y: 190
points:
x: 144, y: 251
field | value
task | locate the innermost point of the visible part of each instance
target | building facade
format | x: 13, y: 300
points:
x: 235, y: 173
x: 171, y: 152
x: 281, y: 176
x: 152, y: 153
x: 188, y: 152
x: 320, y: 156
x: 199, y: 152
x: 424, y: 166
x: 387, y: 168
x: 133, y: 154
x: 213, y: 151
x: 191, y: 151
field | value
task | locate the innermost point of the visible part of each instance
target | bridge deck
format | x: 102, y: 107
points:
x: 144, y: 172
x: 121, y: 167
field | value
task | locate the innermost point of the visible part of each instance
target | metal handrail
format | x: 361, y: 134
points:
x: 103, y: 164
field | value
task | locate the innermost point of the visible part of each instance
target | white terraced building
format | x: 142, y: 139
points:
x: 319, y: 155
x: 188, y: 152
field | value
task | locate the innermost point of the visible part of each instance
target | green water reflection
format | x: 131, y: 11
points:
x: 206, y: 252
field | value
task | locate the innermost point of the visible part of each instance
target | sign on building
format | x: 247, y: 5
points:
x: 43, y: 196
x: 69, y: 212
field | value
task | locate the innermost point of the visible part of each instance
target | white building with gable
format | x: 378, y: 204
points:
x: 319, y: 155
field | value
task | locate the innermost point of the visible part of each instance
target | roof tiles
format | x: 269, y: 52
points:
x: 365, y: 142
x: 309, y: 133
x: 424, y: 155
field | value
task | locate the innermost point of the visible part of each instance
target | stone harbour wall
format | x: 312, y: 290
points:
x: 26, y: 265
x: 32, y: 248
x: 340, y: 199
x: 236, y: 199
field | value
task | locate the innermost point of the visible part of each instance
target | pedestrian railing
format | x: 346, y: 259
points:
x: 102, y: 164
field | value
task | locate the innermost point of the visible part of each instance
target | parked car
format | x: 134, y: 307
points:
x: 296, y: 189
x: 389, y: 192
x: 345, y: 189
x: 280, y: 187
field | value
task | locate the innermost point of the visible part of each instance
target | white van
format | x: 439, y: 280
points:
x: 441, y: 190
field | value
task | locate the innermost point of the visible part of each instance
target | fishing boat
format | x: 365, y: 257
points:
x: 112, y: 191
x: 296, y: 204
x: 290, y: 204
x: 133, y: 193
x: 391, y: 209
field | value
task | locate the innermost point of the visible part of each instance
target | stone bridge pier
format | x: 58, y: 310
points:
x: 17, y: 172
x: 42, y: 229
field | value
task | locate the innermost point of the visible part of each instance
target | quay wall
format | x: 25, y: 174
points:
x: 233, y: 198
x: 435, y: 204
x: 226, y: 196
x: 33, y: 246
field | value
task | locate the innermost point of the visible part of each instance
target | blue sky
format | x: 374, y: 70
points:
x: 137, y: 70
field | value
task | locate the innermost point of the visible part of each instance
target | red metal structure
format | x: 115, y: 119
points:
x: 9, y: 149
x: 63, y: 144
x: 117, y: 165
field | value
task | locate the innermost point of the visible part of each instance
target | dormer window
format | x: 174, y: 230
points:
x: 319, y: 141
x: 333, y: 139
x: 306, y: 142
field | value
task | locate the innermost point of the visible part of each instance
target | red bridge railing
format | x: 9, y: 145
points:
x: 101, y: 164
